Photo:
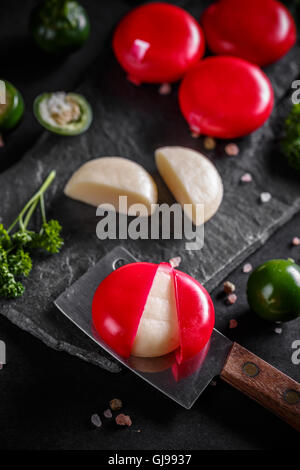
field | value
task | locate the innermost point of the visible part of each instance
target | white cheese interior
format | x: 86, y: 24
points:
x: 158, y: 331
x: 105, y: 179
x: 192, y: 179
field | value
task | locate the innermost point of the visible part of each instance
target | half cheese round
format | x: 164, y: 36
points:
x: 104, y: 180
x: 192, y: 179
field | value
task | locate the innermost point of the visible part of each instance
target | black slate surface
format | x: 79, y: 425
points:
x: 132, y: 122
x: 47, y: 398
x: 34, y: 72
x: 42, y: 389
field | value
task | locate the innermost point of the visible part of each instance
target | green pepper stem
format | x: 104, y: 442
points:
x: 29, y: 214
x: 31, y: 203
x: 43, y: 211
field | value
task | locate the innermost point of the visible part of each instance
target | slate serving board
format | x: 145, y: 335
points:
x: 132, y: 122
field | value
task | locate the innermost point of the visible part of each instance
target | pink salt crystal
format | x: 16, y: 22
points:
x: 107, y: 413
x: 209, y: 143
x: 228, y: 287
x: 96, y: 421
x: 175, y: 262
x: 296, y: 241
x: 232, y: 149
x: 265, y: 197
x: 246, y: 178
x: 115, y: 404
x: 233, y: 323
x: 247, y: 268
x: 195, y: 134
x: 123, y: 420
x: 232, y: 298
x: 165, y: 89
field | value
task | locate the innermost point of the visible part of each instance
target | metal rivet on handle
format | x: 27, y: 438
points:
x: 117, y: 263
x: 291, y: 397
x: 250, y: 369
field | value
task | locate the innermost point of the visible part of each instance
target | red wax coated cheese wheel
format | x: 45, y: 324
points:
x: 260, y: 31
x: 158, y: 42
x: 133, y: 312
x: 225, y: 97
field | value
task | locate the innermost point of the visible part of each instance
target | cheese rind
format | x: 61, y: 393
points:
x: 192, y: 179
x: 104, y: 180
x: 158, y: 331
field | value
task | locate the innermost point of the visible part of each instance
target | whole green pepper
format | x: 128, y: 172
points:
x: 59, y: 26
x: 12, y: 110
x: 273, y: 290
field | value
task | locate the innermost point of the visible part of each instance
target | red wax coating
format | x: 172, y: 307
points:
x: 260, y: 31
x: 119, y: 302
x: 120, y: 299
x: 195, y: 312
x: 225, y: 97
x: 158, y: 42
x: 185, y: 369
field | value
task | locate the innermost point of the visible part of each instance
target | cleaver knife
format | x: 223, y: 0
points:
x: 184, y: 383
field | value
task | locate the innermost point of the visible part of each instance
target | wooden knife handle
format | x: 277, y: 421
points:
x: 263, y: 383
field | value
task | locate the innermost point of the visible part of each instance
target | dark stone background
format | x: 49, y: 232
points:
x: 46, y: 397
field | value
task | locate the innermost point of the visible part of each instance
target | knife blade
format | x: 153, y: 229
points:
x: 185, y: 383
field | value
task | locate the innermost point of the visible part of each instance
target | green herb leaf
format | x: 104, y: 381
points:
x: 21, y: 238
x: 12, y: 290
x: 15, y: 259
x: 20, y: 263
x: 49, y: 238
x: 5, y: 240
x: 291, y: 141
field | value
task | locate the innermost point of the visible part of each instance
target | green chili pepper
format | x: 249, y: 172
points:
x: 63, y: 113
x: 273, y: 290
x: 59, y: 26
x: 13, y: 108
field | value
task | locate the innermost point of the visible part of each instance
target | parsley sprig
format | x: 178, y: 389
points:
x: 291, y: 140
x: 18, y: 242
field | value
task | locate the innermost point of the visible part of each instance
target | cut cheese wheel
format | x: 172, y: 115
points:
x: 158, y: 331
x: 150, y: 310
x: 152, y: 364
x: 192, y: 179
x: 104, y: 180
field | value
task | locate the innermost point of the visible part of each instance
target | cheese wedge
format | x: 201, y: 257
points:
x: 192, y: 179
x: 103, y: 180
x: 158, y: 331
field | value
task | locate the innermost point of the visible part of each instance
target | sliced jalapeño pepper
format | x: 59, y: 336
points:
x: 63, y: 113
